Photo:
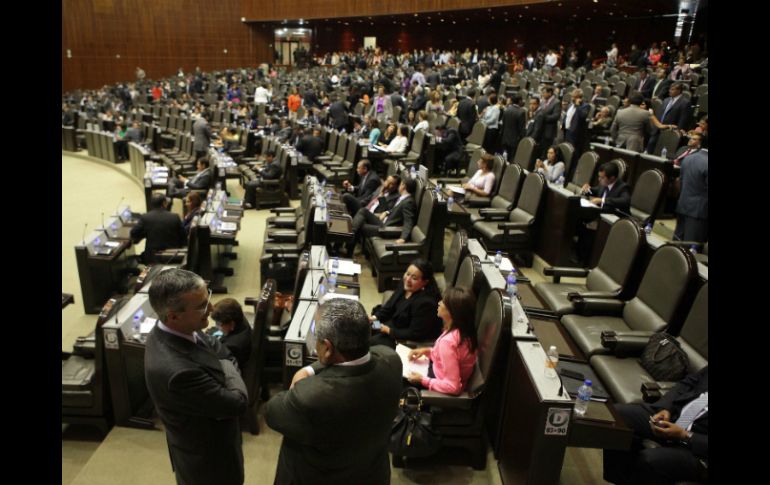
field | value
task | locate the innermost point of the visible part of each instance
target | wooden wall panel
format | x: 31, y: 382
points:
x: 261, y: 10
x: 158, y: 35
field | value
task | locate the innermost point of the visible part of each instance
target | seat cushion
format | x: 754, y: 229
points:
x: 489, y: 230
x: 587, y: 331
x: 555, y: 295
x: 77, y: 373
x: 622, y: 378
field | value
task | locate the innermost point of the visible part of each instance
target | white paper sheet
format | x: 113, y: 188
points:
x: 346, y: 267
x: 419, y: 366
x: 587, y: 203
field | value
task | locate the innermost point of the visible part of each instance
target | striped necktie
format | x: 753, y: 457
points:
x: 692, y: 410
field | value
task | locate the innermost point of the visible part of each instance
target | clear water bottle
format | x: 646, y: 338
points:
x: 331, y: 281
x: 664, y: 152
x: 327, y: 215
x: 218, y: 186
x: 136, y: 329
x: 648, y: 229
x: 336, y: 264
x: 321, y: 290
x: 505, y: 155
x: 437, y: 190
x: 328, y: 195
x: 510, y: 286
x: 584, y: 396
x: 551, y: 361
x: 694, y: 249
x: 498, y: 259
x: 413, y: 172
x: 450, y: 202
x: 323, y: 204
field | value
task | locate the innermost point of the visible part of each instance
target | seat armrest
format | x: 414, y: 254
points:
x: 283, y: 210
x: 391, y: 232
x: 445, y: 401
x: 561, y: 271
x: 575, y: 295
x: 598, y: 306
x: 250, y: 300
x: 397, y: 248
x: 477, y: 201
x: 333, y: 163
x: 513, y: 225
x: 270, y: 183
x: 448, y: 181
x: 491, y: 214
x: 625, y: 344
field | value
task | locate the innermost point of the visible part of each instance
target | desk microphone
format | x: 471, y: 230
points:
x: 84, y: 234
x: 118, y: 207
x: 103, y: 226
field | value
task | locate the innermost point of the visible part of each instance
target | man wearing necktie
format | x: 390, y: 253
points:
x: 551, y: 108
x: 675, y: 110
x: 360, y: 195
x: 678, y: 422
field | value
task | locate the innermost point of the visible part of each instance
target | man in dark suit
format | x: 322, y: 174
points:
x: 692, y: 208
x: 576, y: 123
x: 551, y: 109
x: 361, y: 193
x: 202, y: 135
x: 163, y: 229
x: 338, y: 114
x: 514, y: 126
x: 311, y: 145
x: 397, y: 100
x: 337, y: 415
x: 675, y: 110
x: 236, y: 331
x: 612, y: 193
x: 679, y: 423
x: 181, y: 186
x: 194, y: 383
x: 535, y: 120
x: 467, y: 114
x: 644, y: 84
x: 662, y: 84
x: 449, y: 149
x: 271, y: 171
x: 310, y: 99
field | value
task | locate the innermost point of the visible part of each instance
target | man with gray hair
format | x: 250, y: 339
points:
x: 194, y: 383
x: 337, y: 415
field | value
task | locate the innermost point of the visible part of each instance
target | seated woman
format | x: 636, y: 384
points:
x: 483, y: 181
x: 453, y: 356
x: 236, y: 331
x: 410, y: 313
x: 552, y: 168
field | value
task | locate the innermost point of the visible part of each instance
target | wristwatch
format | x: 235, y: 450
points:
x: 686, y: 441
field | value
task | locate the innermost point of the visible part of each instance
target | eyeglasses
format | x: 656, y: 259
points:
x: 203, y: 310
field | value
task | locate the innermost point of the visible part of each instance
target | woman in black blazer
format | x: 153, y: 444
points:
x: 410, y: 313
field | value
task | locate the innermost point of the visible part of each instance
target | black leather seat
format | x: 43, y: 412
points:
x: 584, y: 172
x: 507, y: 193
x: 458, y: 249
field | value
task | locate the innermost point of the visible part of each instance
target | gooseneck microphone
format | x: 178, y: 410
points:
x: 84, y: 234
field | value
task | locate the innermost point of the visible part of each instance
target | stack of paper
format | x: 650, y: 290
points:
x: 419, y: 366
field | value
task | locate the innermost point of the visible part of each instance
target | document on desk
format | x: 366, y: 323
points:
x: 147, y: 324
x: 346, y: 267
x: 419, y: 366
x: 505, y: 264
x: 112, y: 244
x: 228, y: 226
x: 587, y: 203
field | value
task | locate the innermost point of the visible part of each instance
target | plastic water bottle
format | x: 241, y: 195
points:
x: 648, y: 229
x: 505, y: 155
x: 413, y: 172
x: 510, y: 286
x: 328, y: 195
x: 551, y: 361
x: 332, y: 282
x: 323, y: 204
x: 498, y: 259
x: 450, y: 202
x: 218, y: 186
x: 694, y: 249
x: 664, y: 152
x: 437, y: 190
x: 136, y: 329
x: 584, y: 396
x: 335, y: 264
x: 321, y: 290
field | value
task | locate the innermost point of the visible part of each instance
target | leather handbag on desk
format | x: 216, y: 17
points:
x: 412, y: 435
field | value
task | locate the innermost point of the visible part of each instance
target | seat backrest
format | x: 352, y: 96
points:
x: 417, y: 143
x: 477, y: 134
x: 529, y: 202
x: 621, y: 164
x: 509, y: 188
x: 567, y: 151
x: 613, y: 101
x: 668, y: 139
x: 350, y: 153
x: 424, y: 216
x: 396, y: 113
x: 457, y: 251
x: 584, y: 171
x: 619, y: 253
x: 497, y: 309
x: 694, y: 335
x: 472, y: 159
x: 646, y: 195
x: 662, y: 288
x: 453, y: 122
x: 263, y: 317
x: 342, y: 145
x: 524, y: 151
x: 467, y: 273
x: 498, y: 165
x: 332, y: 147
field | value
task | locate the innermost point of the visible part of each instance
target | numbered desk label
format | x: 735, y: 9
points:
x: 556, y: 424
x: 111, y: 339
x: 294, y: 355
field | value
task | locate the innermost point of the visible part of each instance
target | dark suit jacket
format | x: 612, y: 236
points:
x: 271, y: 171
x: 551, y: 116
x: 201, y: 180
x: 386, y: 202
x: 646, y: 91
x: 202, y: 134
x: 310, y: 146
x: 398, y: 100
x: 678, y: 115
x: 199, y: 400
x: 162, y: 229
x: 576, y: 133
x: 535, y: 128
x: 238, y: 342
x: 403, y: 214
x: 336, y: 424
x: 338, y: 114
x: 365, y: 192
x: 410, y: 319
x: 466, y: 113
x: 514, y: 122
x: 618, y: 198
x: 662, y: 90
x: 694, y: 197
x: 677, y: 398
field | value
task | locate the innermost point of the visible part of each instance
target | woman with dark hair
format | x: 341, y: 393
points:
x: 483, y: 180
x: 410, y: 313
x: 453, y: 356
x: 236, y: 331
x: 553, y: 167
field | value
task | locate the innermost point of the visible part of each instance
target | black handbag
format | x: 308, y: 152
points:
x: 664, y: 359
x: 412, y: 435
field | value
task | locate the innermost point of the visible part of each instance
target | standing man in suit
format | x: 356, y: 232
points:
x: 692, y: 209
x: 535, y: 123
x: 202, y: 135
x: 631, y: 124
x: 194, y: 384
x: 679, y: 423
x: 675, y: 110
x: 514, y: 122
x: 644, y: 84
x: 576, y: 123
x: 338, y: 114
x: 360, y: 194
x: 467, y: 114
x: 551, y: 108
x: 236, y: 331
x: 337, y: 415
x: 181, y: 186
x: 163, y: 229
x: 311, y: 145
